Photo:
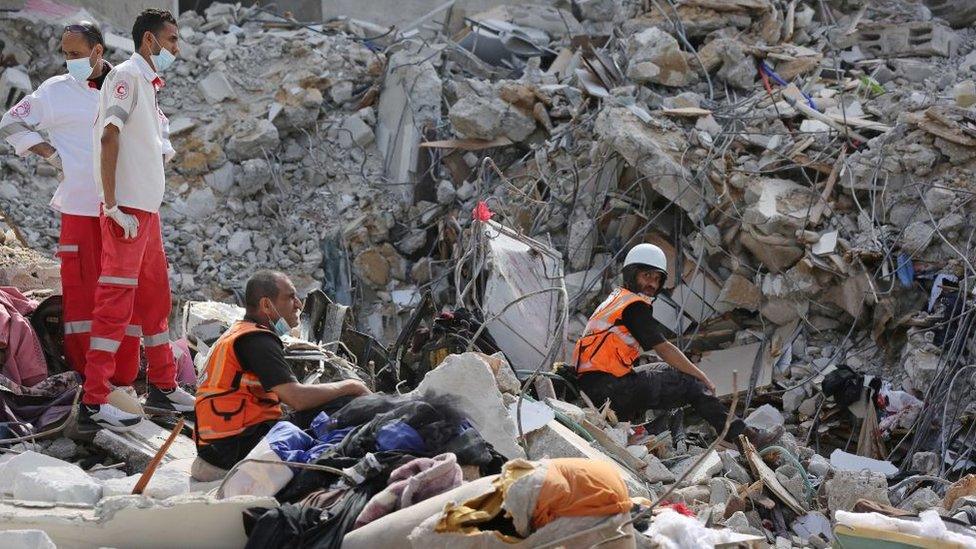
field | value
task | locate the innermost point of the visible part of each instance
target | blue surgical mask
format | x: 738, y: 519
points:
x: 163, y: 59
x: 80, y: 69
x: 281, y: 327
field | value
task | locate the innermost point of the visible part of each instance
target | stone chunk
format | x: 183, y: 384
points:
x: 35, y: 477
x: 656, y: 58
x: 477, y: 117
x: 657, y: 471
x: 251, y: 138
x: 739, y: 292
x: 165, y: 483
x: 469, y: 381
x: 26, y: 539
x: 62, y: 448
x: 847, y: 487
x: 653, y: 150
x: 255, y: 174
x: 239, y: 243
x: 215, y: 87
x: 355, y: 131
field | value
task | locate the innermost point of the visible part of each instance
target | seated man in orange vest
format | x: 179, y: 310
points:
x: 247, y: 378
x: 623, y: 327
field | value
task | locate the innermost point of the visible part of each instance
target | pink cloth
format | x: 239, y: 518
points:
x: 417, y: 480
x: 24, y: 363
x: 185, y: 372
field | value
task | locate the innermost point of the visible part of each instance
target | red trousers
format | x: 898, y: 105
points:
x: 80, y: 250
x: 133, y: 277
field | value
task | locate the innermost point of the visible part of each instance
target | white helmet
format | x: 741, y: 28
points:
x: 647, y: 254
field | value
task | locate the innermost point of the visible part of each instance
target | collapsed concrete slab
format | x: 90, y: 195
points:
x: 469, y: 381
x: 128, y: 521
x: 26, y: 539
x: 35, y: 477
x: 138, y: 446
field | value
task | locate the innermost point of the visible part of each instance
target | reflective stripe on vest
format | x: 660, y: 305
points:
x: 230, y: 399
x: 606, y: 344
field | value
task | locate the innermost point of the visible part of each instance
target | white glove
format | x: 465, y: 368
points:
x: 54, y: 160
x: 129, y: 223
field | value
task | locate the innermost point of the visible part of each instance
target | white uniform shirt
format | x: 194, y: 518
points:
x: 65, y: 110
x: 128, y: 101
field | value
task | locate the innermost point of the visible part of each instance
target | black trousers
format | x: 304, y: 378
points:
x: 657, y: 389
x: 226, y: 452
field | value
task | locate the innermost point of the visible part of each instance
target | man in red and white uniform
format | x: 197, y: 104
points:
x: 64, y: 108
x: 130, y: 147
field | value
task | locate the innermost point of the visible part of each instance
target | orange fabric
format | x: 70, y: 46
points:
x: 606, y: 344
x: 230, y: 399
x: 577, y: 487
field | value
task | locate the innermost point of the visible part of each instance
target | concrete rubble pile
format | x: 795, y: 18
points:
x: 808, y: 167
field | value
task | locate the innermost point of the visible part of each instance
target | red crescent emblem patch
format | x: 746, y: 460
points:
x: 21, y: 109
x: 121, y: 90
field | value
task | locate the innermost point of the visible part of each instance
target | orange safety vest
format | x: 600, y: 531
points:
x: 230, y: 399
x: 606, y: 344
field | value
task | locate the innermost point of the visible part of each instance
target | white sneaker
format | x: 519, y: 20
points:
x: 174, y: 400
x: 105, y: 416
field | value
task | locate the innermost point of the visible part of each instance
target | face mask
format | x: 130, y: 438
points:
x: 280, y: 326
x: 80, y: 69
x: 163, y: 59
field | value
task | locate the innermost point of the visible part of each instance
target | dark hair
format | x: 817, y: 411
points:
x: 92, y: 34
x: 152, y: 20
x: 263, y: 283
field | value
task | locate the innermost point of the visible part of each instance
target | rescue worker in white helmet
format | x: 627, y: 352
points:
x: 621, y: 329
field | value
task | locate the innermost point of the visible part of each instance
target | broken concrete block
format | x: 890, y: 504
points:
x: 62, y: 448
x: 35, y: 477
x: 253, y: 176
x: 165, y: 483
x: 138, y: 446
x: 215, y: 87
x: 252, y: 138
x: 557, y: 441
x: 845, y: 461
x: 655, y: 58
x: 739, y: 292
x: 777, y: 206
x: 469, y: 381
x: 657, y: 471
x: 738, y: 66
x: 197, y: 522
x: 921, y: 500
x: 445, y: 192
x: 707, y: 469
x: 914, y: 70
x: 200, y: 204
x: 573, y: 411
x: 355, y: 131
x: 910, y: 39
x: 654, y: 150
x: 477, y: 117
x: 239, y: 243
x: 26, y: 539
x: 925, y: 463
x: 582, y: 239
x: 221, y: 179
x: 732, y: 469
x: 765, y: 417
x: 847, y: 487
x: 793, y: 398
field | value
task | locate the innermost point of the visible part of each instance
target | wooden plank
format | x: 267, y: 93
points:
x: 768, y: 477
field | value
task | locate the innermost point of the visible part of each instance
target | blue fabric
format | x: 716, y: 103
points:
x: 289, y: 442
x: 906, y: 270
x: 321, y: 425
x: 397, y: 435
x: 324, y: 443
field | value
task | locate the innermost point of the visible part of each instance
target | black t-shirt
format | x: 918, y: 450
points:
x: 638, y: 317
x: 262, y: 354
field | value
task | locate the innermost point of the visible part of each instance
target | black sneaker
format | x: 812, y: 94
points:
x: 92, y: 418
x: 174, y: 400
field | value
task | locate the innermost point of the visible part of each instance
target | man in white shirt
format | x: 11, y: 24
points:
x: 130, y: 145
x: 64, y: 107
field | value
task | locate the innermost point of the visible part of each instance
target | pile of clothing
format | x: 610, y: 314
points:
x: 383, y: 453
